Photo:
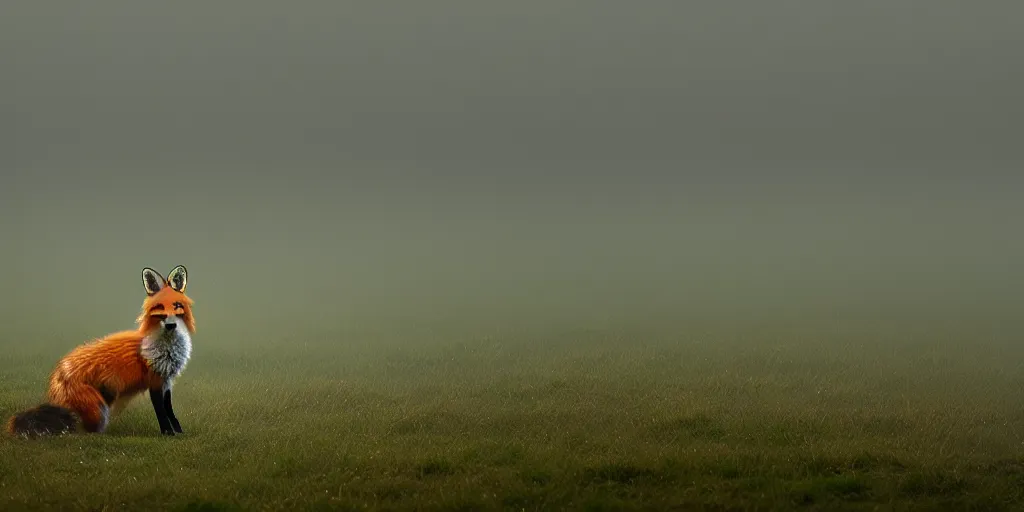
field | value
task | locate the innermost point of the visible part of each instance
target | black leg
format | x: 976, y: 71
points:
x: 170, y: 412
x: 156, y: 396
x: 108, y: 395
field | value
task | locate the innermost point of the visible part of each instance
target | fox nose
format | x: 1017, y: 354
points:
x: 170, y: 326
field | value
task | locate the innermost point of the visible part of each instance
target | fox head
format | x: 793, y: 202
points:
x: 166, y: 305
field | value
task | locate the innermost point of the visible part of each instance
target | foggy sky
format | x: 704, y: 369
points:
x: 317, y: 163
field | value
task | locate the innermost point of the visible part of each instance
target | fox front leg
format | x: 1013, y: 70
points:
x: 170, y: 412
x: 156, y: 396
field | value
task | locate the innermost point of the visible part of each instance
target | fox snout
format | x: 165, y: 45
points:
x: 170, y: 323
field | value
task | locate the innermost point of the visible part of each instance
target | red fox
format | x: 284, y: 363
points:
x: 97, y: 379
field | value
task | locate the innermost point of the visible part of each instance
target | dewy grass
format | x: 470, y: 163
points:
x: 592, y: 422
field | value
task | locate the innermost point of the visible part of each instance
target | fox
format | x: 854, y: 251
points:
x: 99, y: 378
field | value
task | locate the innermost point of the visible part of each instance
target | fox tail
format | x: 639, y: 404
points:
x: 46, y: 419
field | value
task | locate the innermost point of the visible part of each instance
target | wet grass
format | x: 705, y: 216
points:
x: 589, y: 422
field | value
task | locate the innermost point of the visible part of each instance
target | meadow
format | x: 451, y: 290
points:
x: 557, y: 419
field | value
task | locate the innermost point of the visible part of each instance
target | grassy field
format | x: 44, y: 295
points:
x: 578, y: 420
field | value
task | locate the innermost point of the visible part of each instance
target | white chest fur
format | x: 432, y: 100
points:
x: 167, y: 352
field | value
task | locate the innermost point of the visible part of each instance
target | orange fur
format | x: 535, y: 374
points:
x: 113, y: 364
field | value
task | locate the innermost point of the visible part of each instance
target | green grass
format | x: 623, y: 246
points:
x: 585, y: 421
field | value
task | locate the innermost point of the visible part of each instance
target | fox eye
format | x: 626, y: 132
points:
x: 160, y: 317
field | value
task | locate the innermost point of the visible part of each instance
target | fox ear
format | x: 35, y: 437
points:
x: 152, y: 280
x: 178, y: 278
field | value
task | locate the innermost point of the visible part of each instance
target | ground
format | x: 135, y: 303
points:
x: 577, y: 420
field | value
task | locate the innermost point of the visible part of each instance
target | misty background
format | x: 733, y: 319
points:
x: 327, y: 169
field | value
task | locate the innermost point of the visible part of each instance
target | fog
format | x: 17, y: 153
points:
x: 686, y: 169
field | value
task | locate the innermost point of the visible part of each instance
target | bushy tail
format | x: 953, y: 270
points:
x: 46, y: 419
